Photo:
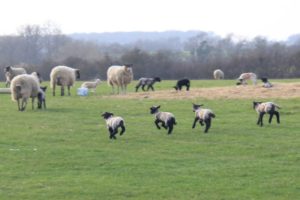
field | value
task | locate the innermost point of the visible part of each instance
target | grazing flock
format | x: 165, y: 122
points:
x: 24, y: 86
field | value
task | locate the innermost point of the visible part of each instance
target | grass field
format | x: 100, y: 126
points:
x: 64, y: 152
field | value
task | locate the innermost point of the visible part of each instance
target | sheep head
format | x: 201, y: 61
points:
x: 256, y: 103
x: 106, y: 115
x: 154, y: 109
x: 196, y: 106
x: 77, y: 72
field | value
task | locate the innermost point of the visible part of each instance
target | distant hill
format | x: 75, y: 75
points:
x: 132, y: 37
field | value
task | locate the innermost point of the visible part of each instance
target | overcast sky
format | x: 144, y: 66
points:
x: 275, y: 19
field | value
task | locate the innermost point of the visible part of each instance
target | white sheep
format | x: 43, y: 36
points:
x: 203, y: 115
x: 113, y: 123
x: 63, y: 76
x: 166, y: 119
x: 218, y: 74
x: 25, y: 86
x: 266, y: 107
x: 91, y: 84
x: 119, y: 76
x: 11, y: 72
x: 247, y: 76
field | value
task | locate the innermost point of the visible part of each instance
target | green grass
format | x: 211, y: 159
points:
x: 64, y: 152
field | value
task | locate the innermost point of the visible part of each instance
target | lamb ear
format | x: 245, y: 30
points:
x: 158, y: 106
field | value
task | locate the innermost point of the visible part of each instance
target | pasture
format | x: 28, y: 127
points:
x: 64, y: 152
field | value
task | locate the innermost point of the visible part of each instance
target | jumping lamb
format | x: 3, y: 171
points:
x: 203, y: 115
x: 263, y: 108
x: 166, y: 119
x: 119, y: 76
x: 25, y: 86
x: 242, y: 80
x: 218, y: 74
x: 113, y: 123
x: 91, y: 84
x: 183, y: 82
x: 11, y: 72
x: 149, y: 82
x: 63, y: 76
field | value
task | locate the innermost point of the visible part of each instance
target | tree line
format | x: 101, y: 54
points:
x: 41, y: 47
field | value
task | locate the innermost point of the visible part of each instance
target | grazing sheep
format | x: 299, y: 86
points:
x: 203, y: 115
x: 218, y: 74
x: 266, y: 82
x: 42, y: 97
x: 247, y: 76
x: 166, y: 119
x: 91, y: 84
x: 147, y: 82
x: 24, y: 86
x: 119, y: 76
x: 183, y: 82
x: 11, y: 72
x: 113, y: 123
x: 63, y: 76
x: 263, y: 108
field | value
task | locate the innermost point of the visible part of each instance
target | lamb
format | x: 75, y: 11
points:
x: 166, y: 119
x: 203, y: 115
x: 91, y: 84
x: 147, y: 82
x: 266, y: 82
x: 263, y: 108
x: 113, y: 123
x: 63, y: 76
x: 42, y: 97
x: 183, y: 82
x: 25, y: 86
x: 247, y: 76
x: 218, y: 74
x: 11, y: 72
x: 119, y: 76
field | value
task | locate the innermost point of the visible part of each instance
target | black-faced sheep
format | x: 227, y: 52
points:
x: 11, y: 72
x: 113, y: 123
x: 242, y: 80
x: 63, y: 76
x: 183, y: 82
x: 24, y: 86
x: 119, y: 76
x: 42, y: 97
x: 266, y: 83
x: 263, y: 108
x: 91, y: 84
x: 203, y: 115
x: 149, y: 82
x: 166, y: 119
x: 218, y: 74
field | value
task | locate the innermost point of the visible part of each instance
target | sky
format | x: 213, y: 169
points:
x: 274, y: 19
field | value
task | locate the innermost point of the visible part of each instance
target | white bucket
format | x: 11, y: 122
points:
x: 82, y: 91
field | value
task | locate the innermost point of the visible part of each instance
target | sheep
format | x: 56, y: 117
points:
x: 166, y: 119
x: 182, y: 82
x: 91, y: 84
x: 63, y: 76
x: 263, y: 108
x: 113, y: 123
x: 203, y: 115
x: 24, y: 86
x: 266, y: 82
x: 11, y: 72
x: 218, y: 74
x: 120, y: 76
x: 147, y: 82
x: 247, y: 76
x: 42, y: 97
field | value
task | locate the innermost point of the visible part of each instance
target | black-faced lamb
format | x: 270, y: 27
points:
x: 63, y: 76
x: 113, y: 123
x: 42, y: 97
x: 266, y: 107
x: 119, y: 76
x: 24, y: 86
x: 183, y: 82
x: 203, y: 115
x: 266, y: 83
x: 218, y: 74
x: 149, y: 82
x: 242, y: 80
x: 166, y: 119
x: 91, y: 84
